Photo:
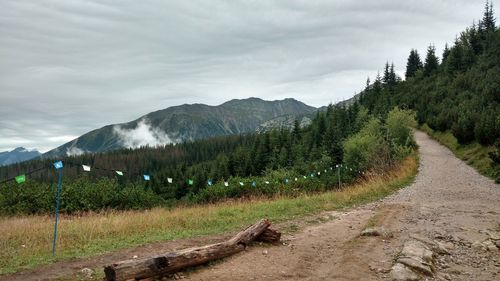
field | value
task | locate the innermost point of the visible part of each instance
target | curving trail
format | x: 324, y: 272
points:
x: 449, y: 202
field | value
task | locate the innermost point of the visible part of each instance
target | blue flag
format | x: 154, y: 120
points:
x: 147, y: 177
x: 286, y: 180
x: 254, y: 184
x: 58, y: 165
x: 210, y: 182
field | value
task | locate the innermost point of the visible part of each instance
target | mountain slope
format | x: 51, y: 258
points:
x: 17, y: 155
x: 183, y: 123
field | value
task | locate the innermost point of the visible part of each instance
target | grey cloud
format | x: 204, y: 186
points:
x: 68, y: 67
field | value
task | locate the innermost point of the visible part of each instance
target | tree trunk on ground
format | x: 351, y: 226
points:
x: 177, y: 260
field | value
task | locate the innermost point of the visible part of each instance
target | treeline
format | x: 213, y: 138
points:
x: 458, y: 92
x: 283, y: 162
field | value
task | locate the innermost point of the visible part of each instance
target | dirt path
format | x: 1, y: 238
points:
x: 449, y: 201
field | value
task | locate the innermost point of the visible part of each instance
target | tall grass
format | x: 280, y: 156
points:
x: 26, y: 241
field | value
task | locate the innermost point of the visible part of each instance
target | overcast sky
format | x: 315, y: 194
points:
x: 67, y: 67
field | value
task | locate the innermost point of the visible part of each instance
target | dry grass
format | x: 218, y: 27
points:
x: 26, y: 241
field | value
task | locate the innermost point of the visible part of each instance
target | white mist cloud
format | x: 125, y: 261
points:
x: 74, y: 151
x: 142, y: 135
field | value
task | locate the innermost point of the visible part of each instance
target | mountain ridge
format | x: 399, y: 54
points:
x: 184, y: 122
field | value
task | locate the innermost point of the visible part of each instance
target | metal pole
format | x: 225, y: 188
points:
x: 58, y: 197
x: 338, y: 173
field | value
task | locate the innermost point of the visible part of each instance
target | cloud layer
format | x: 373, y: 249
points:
x: 68, y: 67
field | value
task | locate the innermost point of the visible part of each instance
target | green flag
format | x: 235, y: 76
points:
x: 20, y: 178
x: 190, y: 182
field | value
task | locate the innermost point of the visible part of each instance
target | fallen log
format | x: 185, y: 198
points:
x: 137, y: 269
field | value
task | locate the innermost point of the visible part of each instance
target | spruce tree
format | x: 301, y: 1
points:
x: 387, y: 75
x: 488, y: 22
x: 431, y: 61
x: 413, y: 65
x: 446, y: 52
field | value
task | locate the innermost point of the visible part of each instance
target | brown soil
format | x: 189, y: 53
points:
x: 449, y: 202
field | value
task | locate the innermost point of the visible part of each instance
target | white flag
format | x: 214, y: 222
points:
x: 296, y: 179
x: 241, y: 183
x: 86, y: 168
x: 267, y: 182
x: 319, y: 173
x: 169, y: 180
x: 226, y: 183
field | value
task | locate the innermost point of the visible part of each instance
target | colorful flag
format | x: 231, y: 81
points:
x: 312, y: 175
x: 147, y: 177
x: 58, y: 165
x: 336, y: 166
x: 286, y: 180
x: 305, y: 177
x: 169, y: 180
x: 267, y: 182
x: 209, y: 182
x: 254, y: 184
x: 86, y: 168
x: 120, y: 173
x: 21, y: 178
x: 241, y: 183
x: 226, y: 183
x: 319, y: 173
x: 190, y: 182
x: 296, y: 179
x: 325, y: 170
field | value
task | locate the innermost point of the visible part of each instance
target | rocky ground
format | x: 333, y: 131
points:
x: 445, y: 226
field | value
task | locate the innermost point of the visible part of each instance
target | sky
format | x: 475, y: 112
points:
x: 68, y: 67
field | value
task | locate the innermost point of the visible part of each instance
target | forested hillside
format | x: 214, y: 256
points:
x: 457, y: 91
x: 287, y: 162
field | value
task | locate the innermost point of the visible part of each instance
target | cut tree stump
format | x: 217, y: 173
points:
x: 171, y: 262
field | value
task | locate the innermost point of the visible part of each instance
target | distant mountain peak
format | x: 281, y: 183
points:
x: 17, y: 155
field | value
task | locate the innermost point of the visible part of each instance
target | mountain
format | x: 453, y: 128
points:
x: 17, y: 155
x: 184, y: 123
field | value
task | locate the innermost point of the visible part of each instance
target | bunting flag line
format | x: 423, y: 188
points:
x: 120, y: 173
x: 20, y: 178
x: 169, y: 180
x: 86, y: 168
x: 147, y: 177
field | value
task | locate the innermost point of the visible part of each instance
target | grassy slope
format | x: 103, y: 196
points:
x: 26, y: 241
x: 473, y: 154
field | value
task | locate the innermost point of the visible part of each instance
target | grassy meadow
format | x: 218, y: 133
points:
x: 26, y: 240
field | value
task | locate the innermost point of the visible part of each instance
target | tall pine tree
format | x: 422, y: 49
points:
x: 413, y: 65
x: 431, y: 61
